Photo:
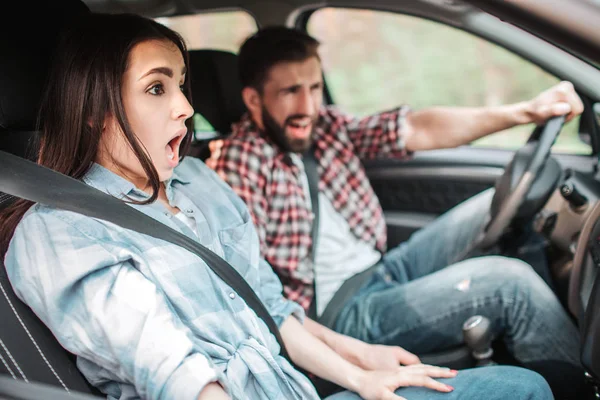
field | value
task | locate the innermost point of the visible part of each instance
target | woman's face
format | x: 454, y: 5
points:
x: 156, y: 109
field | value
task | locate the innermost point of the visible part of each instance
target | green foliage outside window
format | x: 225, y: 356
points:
x: 377, y: 60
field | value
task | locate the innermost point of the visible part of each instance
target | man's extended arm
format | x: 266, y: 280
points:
x: 445, y: 127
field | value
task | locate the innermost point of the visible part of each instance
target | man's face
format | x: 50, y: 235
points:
x: 290, y: 102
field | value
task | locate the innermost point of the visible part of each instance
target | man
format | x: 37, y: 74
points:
x: 419, y: 294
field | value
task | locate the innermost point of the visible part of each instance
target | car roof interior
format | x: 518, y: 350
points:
x: 33, y: 353
x: 571, y: 24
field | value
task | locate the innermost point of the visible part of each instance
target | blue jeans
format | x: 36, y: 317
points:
x: 489, y: 383
x: 420, y: 296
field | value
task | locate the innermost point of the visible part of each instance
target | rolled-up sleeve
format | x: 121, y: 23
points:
x: 188, y: 380
x: 378, y: 135
x: 101, y: 308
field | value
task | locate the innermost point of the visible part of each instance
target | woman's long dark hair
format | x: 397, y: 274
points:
x: 84, y: 87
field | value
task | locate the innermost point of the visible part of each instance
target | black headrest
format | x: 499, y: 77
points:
x: 28, y: 35
x: 216, y: 89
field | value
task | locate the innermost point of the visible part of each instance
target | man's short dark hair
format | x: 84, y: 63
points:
x: 271, y: 46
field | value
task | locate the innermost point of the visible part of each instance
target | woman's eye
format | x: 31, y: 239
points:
x: 156, y: 90
x: 182, y: 88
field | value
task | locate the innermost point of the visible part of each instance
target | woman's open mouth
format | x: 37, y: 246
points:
x: 172, y: 148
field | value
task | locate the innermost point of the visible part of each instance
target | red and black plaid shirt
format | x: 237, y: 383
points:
x: 270, y: 183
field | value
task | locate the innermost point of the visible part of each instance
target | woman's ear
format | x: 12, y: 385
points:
x: 110, y: 123
x: 107, y: 120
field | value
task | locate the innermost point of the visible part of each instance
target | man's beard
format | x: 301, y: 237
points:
x: 277, y: 133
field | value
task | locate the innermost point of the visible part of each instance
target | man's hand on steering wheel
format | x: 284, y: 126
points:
x: 560, y: 99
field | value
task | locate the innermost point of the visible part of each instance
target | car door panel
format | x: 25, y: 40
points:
x: 414, y: 192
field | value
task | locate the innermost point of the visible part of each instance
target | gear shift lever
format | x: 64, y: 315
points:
x: 478, y: 337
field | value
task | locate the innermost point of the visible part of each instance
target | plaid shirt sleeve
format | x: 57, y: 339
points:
x: 376, y: 136
x: 244, y: 169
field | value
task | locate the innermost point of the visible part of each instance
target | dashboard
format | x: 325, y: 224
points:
x: 572, y: 222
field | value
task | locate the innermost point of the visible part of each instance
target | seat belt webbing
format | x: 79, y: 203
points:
x: 21, y: 178
x: 312, y: 175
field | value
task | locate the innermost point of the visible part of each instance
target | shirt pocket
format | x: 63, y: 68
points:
x: 240, y: 247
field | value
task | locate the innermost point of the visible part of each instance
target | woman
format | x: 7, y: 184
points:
x: 146, y: 318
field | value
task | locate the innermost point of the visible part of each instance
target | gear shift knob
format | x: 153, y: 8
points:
x: 477, y: 334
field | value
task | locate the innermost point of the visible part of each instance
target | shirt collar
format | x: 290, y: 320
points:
x: 179, y: 176
x: 107, y: 181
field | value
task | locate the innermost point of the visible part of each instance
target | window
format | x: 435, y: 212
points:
x: 203, y: 130
x: 225, y: 30
x: 404, y: 59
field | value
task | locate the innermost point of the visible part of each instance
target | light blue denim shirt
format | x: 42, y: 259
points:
x: 146, y: 318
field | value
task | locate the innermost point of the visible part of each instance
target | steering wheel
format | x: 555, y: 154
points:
x: 526, y: 185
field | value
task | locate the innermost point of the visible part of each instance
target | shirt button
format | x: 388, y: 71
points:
x: 168, y: 215
x: 189, y: 211
x: 232, y: 295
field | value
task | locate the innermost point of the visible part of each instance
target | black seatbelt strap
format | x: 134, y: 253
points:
x: 23, y: 178
x: 312, y: 175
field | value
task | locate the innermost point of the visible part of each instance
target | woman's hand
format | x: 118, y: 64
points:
x: 312, y: 354
x: 380, y: 385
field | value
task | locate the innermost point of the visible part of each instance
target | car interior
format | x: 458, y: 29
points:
x: 562, y: 199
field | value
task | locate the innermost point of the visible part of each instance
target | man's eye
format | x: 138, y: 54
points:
x: 182, y: 88
x: 157, y: 89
